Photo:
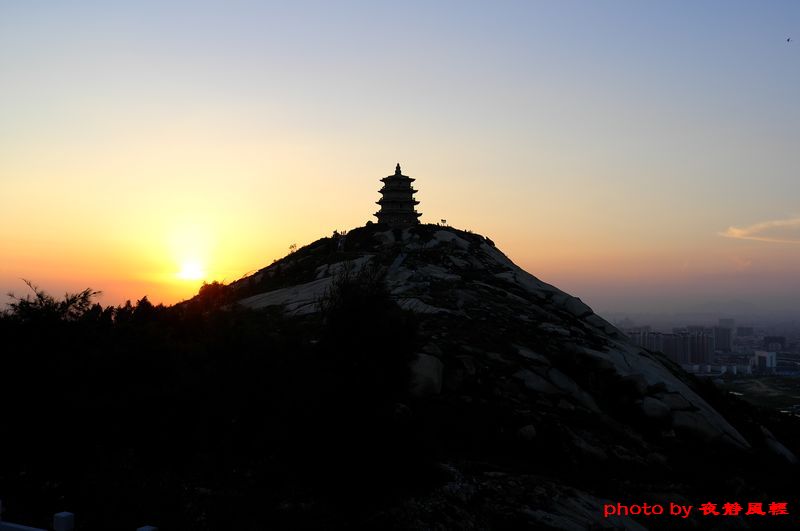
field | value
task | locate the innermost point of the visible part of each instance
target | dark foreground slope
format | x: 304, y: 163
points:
x: 384, y: 379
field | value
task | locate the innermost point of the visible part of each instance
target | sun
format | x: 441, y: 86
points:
x: 191, y: 270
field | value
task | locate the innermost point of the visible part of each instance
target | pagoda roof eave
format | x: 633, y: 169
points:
x: 398, y: 178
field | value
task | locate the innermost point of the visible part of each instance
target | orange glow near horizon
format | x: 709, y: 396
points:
x: 169, y: 264
x: 221, y: 235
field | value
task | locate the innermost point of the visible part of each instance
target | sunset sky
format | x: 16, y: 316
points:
x: 642, y: 155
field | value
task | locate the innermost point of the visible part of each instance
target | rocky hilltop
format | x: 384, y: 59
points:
x: 541, y: 410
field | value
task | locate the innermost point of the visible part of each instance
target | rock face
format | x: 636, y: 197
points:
x: 458, y: 279
x: 426, y: 371
x: 497, y: 338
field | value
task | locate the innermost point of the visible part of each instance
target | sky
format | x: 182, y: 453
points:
x: 640, y: 155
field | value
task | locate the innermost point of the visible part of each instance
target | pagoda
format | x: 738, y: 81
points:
x: 397, y: 201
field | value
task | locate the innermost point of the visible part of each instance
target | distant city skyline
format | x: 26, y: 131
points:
x: 640, y: 156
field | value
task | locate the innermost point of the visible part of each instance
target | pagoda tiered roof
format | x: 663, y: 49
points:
x: 397, y: 200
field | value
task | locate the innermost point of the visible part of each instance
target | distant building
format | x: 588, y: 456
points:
x: 764, y: 361
x: 397, y: 201
x: 701, y: 348
x: 681, y: 346
x: 638, y: 335
x: 715, y: 371
x: 723, y: 337
x: 728, y: 323
x: 744, y: 331
x: 652, y: 341
x: 671, y: 347
x: 774, y: 342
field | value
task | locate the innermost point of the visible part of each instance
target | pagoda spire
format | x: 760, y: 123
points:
x: 397, y: 200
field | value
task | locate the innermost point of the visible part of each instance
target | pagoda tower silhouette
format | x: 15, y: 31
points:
x: 397, y: 201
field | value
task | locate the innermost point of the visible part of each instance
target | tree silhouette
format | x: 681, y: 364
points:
x: 43, y: 306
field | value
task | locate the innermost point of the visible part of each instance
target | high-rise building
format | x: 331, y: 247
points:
x: 674, y: 347
x: 723, y: 338
x: 653, y: 342
x: 764, y: 361
x: 681, y: 346
x: 701, y: 348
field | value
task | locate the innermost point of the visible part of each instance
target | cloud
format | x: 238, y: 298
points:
x: 777, y: 231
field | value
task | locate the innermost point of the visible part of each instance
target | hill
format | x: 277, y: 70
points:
x: 541, y: 411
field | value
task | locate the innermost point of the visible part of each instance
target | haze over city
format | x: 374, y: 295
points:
x: 641, y: 157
